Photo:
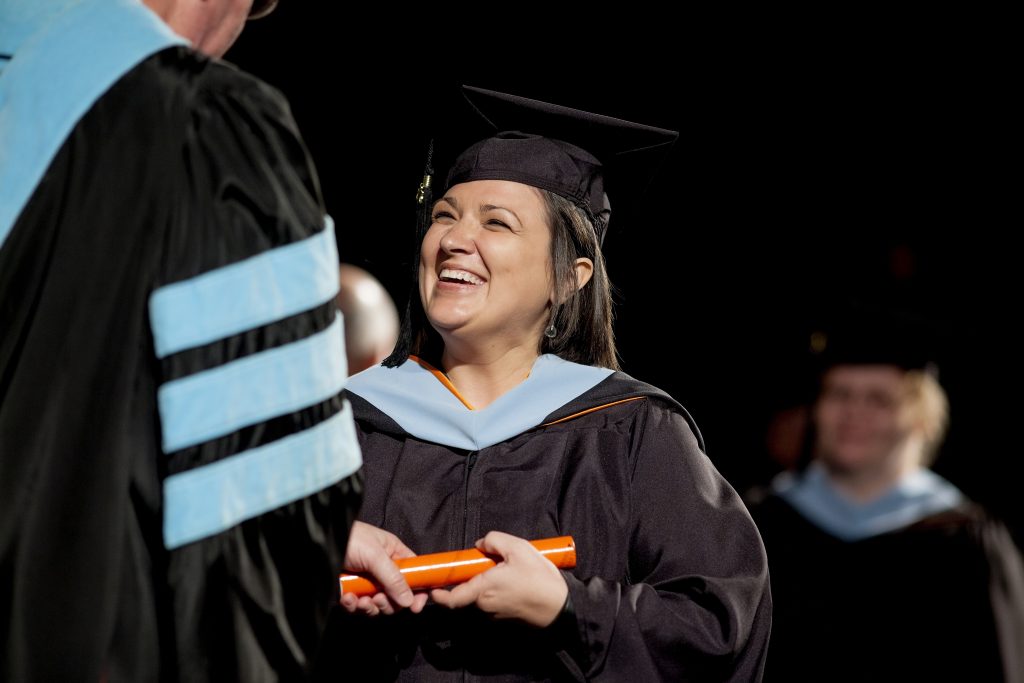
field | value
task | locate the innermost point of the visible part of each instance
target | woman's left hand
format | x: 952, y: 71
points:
x: 523, y: 585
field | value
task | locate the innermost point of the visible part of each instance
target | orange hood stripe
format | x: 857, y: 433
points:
x: 442, y: 378
x: 591, y: 410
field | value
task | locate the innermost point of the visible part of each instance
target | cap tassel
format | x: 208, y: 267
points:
x: 425, y: 194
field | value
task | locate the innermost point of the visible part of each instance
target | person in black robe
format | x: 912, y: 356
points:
x: 881, y: 569
x: 502, y: 417
x: 178, y: 467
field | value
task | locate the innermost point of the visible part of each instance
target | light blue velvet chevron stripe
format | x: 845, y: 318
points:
x: 256, y: 291
x: 210, y: 499
x: 252, y: 389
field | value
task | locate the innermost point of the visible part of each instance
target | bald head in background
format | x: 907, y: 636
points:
x: 371, y: 319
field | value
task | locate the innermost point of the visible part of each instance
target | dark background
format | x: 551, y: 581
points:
x: 805, y: 173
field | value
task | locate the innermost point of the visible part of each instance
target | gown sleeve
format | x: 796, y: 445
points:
x: 1006, y: 592
x: 253, y: 580
x: 696, y: 605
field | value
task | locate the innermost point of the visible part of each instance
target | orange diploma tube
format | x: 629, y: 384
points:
x: 438, y: 570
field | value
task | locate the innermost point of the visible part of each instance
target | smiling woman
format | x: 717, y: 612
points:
x: 501, y: 417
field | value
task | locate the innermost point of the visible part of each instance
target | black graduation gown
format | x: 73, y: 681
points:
x: 185, y: 165
x: 671, y: 582
x: 939, y: 600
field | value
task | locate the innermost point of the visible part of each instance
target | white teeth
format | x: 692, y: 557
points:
x: 461, y: 275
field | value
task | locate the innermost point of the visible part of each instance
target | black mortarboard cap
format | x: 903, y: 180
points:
x: 581, y: 156
x: 858, y: 333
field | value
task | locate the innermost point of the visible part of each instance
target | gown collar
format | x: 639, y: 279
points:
x: 422, y: 404
x: 917, y: 495
x: 79, y: 49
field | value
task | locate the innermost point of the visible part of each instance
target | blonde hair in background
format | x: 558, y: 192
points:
x: 927, y: 407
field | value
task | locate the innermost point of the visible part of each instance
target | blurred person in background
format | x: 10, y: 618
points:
x: 881, y: 569
x: 370, y: 318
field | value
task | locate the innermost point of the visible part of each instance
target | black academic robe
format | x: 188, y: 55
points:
x: 185, y: 165
x: 939, y: 600
x: 671, y: 582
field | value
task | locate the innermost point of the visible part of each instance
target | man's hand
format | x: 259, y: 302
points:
x: 373, y: 551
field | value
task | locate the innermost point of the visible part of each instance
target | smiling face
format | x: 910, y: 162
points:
x: 862, y: 416
x: 485, y: 265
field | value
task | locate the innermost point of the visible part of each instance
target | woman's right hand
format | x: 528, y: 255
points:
x: 373, y: 550
x: 524, y: 585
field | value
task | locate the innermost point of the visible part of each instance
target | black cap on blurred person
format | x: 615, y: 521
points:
x: 861, y: 333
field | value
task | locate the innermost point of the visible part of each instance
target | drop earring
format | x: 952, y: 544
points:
x: 551, y: 331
